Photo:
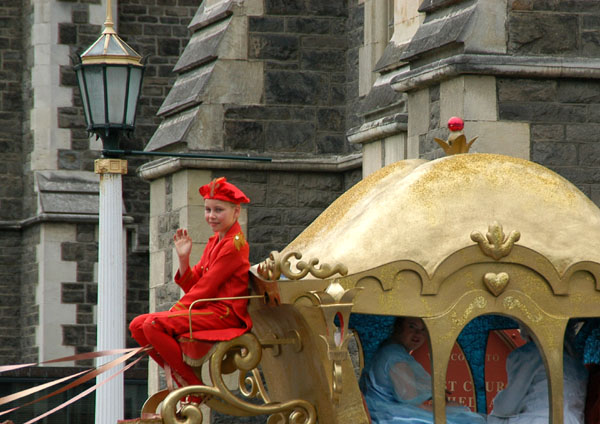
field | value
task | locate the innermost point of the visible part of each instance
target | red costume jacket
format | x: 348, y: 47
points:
x: 221, y: 272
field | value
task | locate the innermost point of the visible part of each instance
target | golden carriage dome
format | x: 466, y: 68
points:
x: 424, y: 211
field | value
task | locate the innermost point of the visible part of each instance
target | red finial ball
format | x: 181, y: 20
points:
x: 455, y: 124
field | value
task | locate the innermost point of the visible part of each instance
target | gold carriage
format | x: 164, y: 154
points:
x: 447, y: 240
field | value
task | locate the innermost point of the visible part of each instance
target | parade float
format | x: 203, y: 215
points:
x: 449, y: 240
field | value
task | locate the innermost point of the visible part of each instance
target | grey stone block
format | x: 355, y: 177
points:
x: 273, y: 46
x: 331, y: 144
x: 561, y: 154
x: 306, y: 7
x: 542, y: 112
x: 187, y: 91
x: 540, y: 33
x: 574, y: 5
x: 577, y: 175
x: 303, y: 113
x: 244, y: 135
x: 324, y: 42
x: 526, y: 90
x: 291, y: 137
x: 282, y: 197
x: 257, y: 193
x: 437, y: 33
x: 316, y: 198
x: 264, y: 216
x: 434, y: 115
x: 72, y: 293
x: 325, y: 182
x: 589, y: 154
x: 590, y: 41
x: 330, y: 119
x: 289, y: 87
x: 550, y: 132
x: 338, y: 95
x: 67, y: 192
x: 428, y: 6
x: 578, y: 91
x: 201, y: 49
x: 302, y: 25
x: 172, y: 130
x: 583, y: 133
x: 323, y: 60
x: 282, y: 179
x: 590, y: 22
x: 594, y: 115
x: 73, y: 335
x: 69, y: 159
x: 301, y: 217
x: 266, y: 24
x: 257, y: 112
x: 268, y: 234
x: 380, y: 99
x: 208, y: 15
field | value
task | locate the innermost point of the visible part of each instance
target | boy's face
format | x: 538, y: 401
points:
x: 220, y: 215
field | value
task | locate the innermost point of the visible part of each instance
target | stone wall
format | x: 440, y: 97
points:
x: 305, y: 52
x: 563, y: 112
x: 29, y: 309
x: 11, y: 186
x: 10, y: 257
x: 565, y: 124
x: 83, y: 292
x: 11, y: 111
x: 558, y: 28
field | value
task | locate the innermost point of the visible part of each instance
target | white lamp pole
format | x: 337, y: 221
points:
x: 110, y: 81
x: 111, y: 287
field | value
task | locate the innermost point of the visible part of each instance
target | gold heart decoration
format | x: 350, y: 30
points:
x: 496, y: 283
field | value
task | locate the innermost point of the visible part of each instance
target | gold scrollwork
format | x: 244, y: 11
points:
x: 277, y: 264
x: 247, y: 353
x: 479, y: 302
x: 335, y: 301
x: 495, y: 243
x: 511, y: 302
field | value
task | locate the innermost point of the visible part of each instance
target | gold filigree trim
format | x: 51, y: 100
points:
x: 511, y: 302
x: 276, y: 264
x: 479, y: 302
x: 245, y: 353
x: 495, y: 244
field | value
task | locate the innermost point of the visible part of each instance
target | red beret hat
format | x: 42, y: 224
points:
x: 220, y: 189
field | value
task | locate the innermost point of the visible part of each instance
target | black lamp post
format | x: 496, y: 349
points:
x: 110, y: 81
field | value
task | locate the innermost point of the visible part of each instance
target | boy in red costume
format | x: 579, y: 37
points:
x: 221, y: 272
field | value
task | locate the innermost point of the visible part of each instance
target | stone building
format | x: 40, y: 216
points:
x: 329, y: 90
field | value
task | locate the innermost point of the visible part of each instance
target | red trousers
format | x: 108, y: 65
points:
x: 161, y: 330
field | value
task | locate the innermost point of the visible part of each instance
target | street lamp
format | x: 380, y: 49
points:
x: 110, y: 81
